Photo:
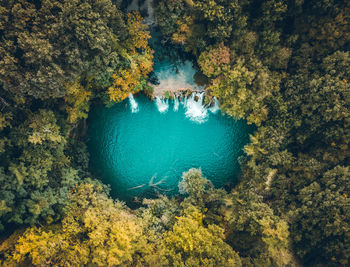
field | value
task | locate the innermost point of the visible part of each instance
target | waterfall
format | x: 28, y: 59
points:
x: 162, y: 104
x: 176, y: 103
x: 215, y: 108
x: 133, y: 104
x: 195, y: 110
x: 185, y: 101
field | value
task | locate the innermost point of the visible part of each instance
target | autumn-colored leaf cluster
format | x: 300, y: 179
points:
x: 140, y: 58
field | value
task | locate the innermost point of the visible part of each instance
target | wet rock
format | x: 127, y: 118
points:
x: 212, y: 103
x: 207, y: 100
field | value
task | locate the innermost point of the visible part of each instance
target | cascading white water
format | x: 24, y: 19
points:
x: 214, y: 109
x: 163, y: 143
x: 195, y: 110
x: 185, y: 102
x: 162, y: 104
x: 133, y: 104
x: 176, y: 103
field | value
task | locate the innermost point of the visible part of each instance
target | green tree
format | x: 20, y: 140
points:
x: 192, y: 244
x: 77, y: 101
x: 261, y: 237
x: 94, y: 230
x: 244, y: 89
x: 46, y: 44
x: 35, y: 170
x: 194, y: 184
x: 320, y: 226
x: 136, y: 51
x: 43, y: 127
x: 224, y: 18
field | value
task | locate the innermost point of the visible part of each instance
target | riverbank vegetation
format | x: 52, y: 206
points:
x: 281, y: 65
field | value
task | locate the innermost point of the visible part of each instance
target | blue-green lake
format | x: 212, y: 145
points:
x: 141, y: 148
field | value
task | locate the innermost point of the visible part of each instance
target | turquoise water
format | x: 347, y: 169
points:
x: 146, y: 151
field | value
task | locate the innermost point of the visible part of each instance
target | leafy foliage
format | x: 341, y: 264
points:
x: 77, y: 101
x: 191, y: 244
x: 129, y: 79
x: 214, y: 61
x: 46, y: 44
x: 322, y: 217
x: 94, y: 230
x: 244, y: 89
x: 282, y: 65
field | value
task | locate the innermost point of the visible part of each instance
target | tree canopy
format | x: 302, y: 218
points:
x: 283, y: 66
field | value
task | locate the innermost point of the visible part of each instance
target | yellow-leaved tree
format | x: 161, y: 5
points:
x: 77, y: 100
x: 184, y: 30
x: 95, y: 230
x: 43, y: 127
x: 191, y: 243
x: 140, y: 57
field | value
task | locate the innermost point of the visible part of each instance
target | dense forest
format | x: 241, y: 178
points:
x: 283, y: 65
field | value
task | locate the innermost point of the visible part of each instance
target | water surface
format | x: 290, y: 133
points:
x: 145, y: 149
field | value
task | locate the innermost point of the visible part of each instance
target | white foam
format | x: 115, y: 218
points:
x: 214, y: 109
x: 195, y: 110
x: 162, y: 104
x: 133, y: 104
x: 176, y: 103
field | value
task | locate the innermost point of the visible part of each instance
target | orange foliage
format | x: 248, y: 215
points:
x: 137, y: 31
x: 123, y: 84
x: 213, y: 60
x: 140, y: 56
x: 126, y: 80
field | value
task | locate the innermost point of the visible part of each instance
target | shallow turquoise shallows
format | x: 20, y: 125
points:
x: 143, y: 152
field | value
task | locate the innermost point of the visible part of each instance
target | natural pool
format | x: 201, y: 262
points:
x: 141, y: 147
